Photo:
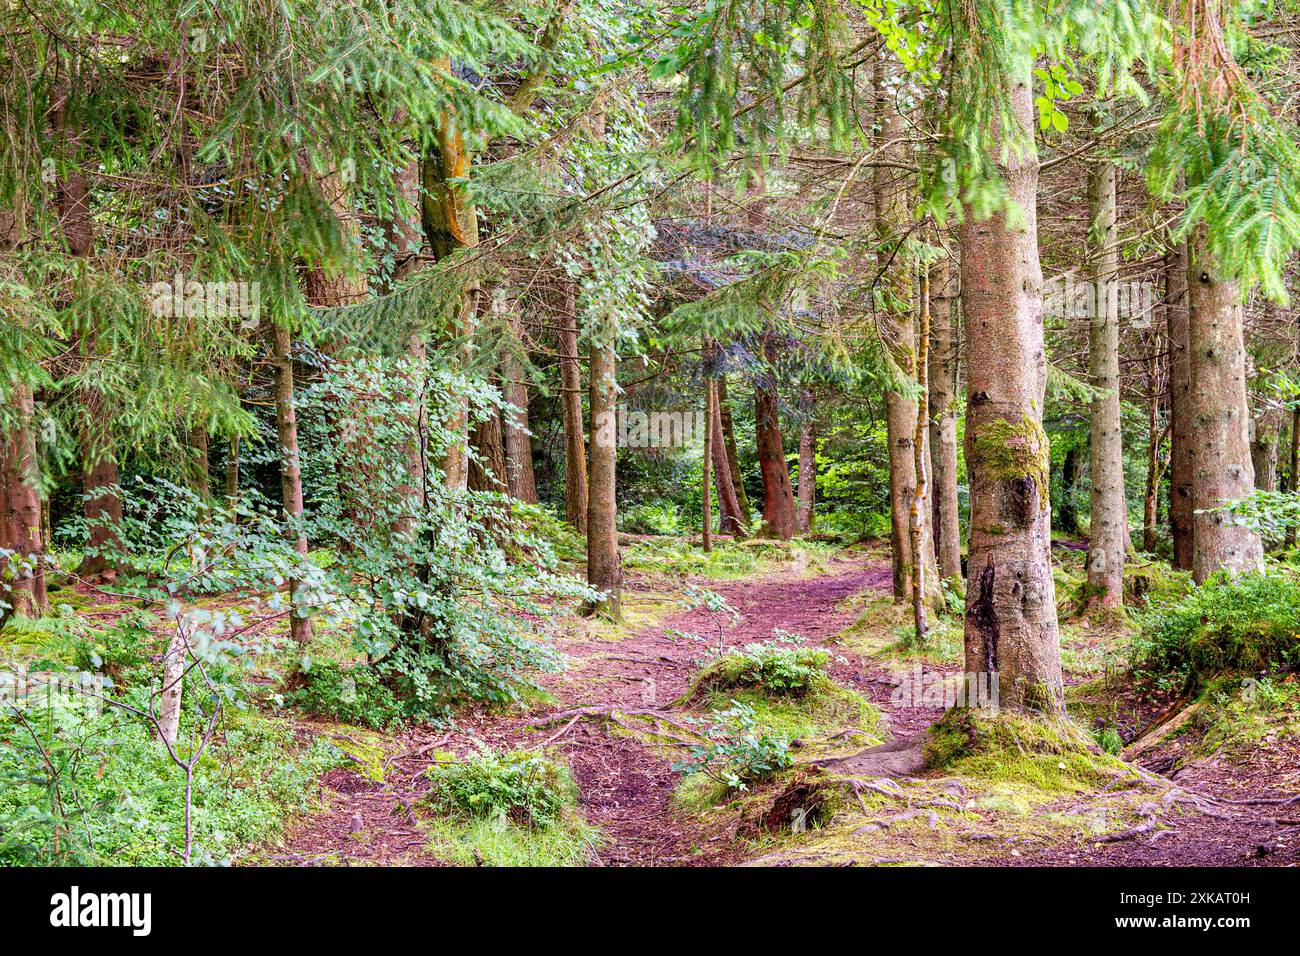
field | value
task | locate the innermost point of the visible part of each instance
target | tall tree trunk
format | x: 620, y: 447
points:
x: 893, y: 219
x: 733, y: 457
x: 604, y: 567
x: 1263, y: 450
x: 807, y: 468
x: 451, y: 224
x: 286, y: 423
x: 232, y: 472
x: 919, y: 515
x: 707, y: 483
x: 201, y: 481
x: 1011, y: 626
x: 1069, y: 507
x: 518, y: 443
x: 1293, y: 480
x: 1156, y: 463
x: 487, y: 467
x: 575, y: 450
x: 778, y: 494
x: 1181, y: 414
x: 21, y: 512
x: 731, y: 516
x: 1108, y: 538
x: 1220, y: 443
x: 943, y: 420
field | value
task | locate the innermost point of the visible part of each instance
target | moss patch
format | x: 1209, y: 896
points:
x: 1017, y: 450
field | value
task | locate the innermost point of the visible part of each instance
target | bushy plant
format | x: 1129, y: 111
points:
x: 521, y: 786
x: 662, y: 517
x: 780, y: 669
x: 1248, y: 622
x: 736, y: 750
x: 354, y: 695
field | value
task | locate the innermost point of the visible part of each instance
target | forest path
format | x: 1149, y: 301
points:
x: 626, y: 787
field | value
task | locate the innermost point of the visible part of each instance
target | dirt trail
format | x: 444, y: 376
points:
x: 626, y: 788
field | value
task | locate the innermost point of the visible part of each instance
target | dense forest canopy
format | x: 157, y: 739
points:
x: 354, y: 353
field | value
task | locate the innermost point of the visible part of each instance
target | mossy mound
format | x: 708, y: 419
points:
x: 1049, y: 755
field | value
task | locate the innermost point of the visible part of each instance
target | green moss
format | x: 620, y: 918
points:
x: 1017, y: 450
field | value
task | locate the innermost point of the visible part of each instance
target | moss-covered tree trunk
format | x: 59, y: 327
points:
x: 1220, y: 419
x: 1108, y: 537
x: 1011, y: 626
x: 943, y: 419
x: 1181, y: 467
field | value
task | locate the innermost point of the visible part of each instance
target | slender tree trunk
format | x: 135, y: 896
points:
x: 778, y: 493
x: 730, y: 514
x: 232, y: 472
x: 1070, y: 491
x: 518, y: 442
x: 807, y: 468
x: 1294, y: 479
x: 733, y: 457
x: 943, y: 420
x: 173, y: 684
x: 201, y: 481
x: 575, y: 451
x: 286, y: 422
x: 1108, y: 538
x: 707, y: 484
x: 918, y: 518
x: 1156, y: 464
x: 1181, y: 413
x: 21, y: 512
x: 1263, y: 450
x: 604, y: 567
x: 893, y: 219
x: 1220, y: 443
x: 1011, y: 626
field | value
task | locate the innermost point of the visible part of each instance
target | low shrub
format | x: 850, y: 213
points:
x: 519, y: 786
x: 736, y: 750
x: 1250, y: 622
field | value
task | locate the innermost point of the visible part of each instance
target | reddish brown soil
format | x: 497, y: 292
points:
x: 627, y: 788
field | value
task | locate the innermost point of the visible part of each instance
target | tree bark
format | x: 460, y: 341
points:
x: 731, y: 519
x: 487, y: 467
x: 707, y: 482
x: 807, y: 468
x: 898, y: 330
x: 1011, y: 626
x: 232, y: 472
x: 575, y: 451
x: 778, y: 494
x: 1263, y: 450
x: 604, y: 567
x: 733, y: 457
x: 518, y: 442
x: 1108, y: 537
x: 943, y: 420
x: 1181, y: 413
x: 286, y: 422
x: 1293, y: 478
x: 1069, y: 507
x: 1220, y: 442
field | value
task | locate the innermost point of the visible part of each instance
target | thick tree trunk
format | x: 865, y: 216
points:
x: 807, y: 470
x: 1108, y: 537
x: 733, y: 457
x: 286, y: 423
x: 1220, y: 442
x: 575, y: 450
x: 604, y: 567
x: 1181, y: 413
x: 778, y: 494
x: 943, y: 420
x: 1011, y: 626
x: 487, y: 467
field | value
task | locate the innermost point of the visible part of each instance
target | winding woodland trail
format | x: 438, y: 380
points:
x: 627, y: 787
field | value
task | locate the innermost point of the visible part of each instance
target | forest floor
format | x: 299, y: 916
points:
x: 617, y: 715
